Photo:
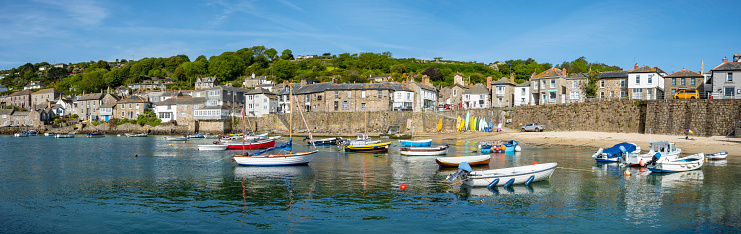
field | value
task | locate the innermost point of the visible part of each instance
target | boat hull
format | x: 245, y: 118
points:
x: 689, y: 163
x: 471, y: 160
x: 519, y: 175
x: 717, y: 156
x: 176, y: 138
x: 326, y: 141
x: 370, y: 148
x: 294, y: 159
x: 251, y: 145
x: 95, y: 135
x: 64, y: 136
x: 418, y: 143
x: 212, y: 147
x: 424, y: 151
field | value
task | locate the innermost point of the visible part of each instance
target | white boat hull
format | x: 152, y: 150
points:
x: 424, y: 151
x: 717, y: 156
x: 176, y: 138
x: 520, y: 175
x: 468, y: 159
x: 692, y: 162
x: 294, y: 159
x: 212, y: 147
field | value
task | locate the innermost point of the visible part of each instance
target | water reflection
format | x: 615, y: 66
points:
x: 717, y: 163
x: 241, y: 172
x: 677, y: 179
x: 540, y: 189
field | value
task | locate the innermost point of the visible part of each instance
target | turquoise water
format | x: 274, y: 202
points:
x: 83, y: 185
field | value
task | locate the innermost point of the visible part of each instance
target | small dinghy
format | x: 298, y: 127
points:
x: 663, y: 164
x: 424, y: 151
x: 470, y: 160
x: 212, y: 147
x: 717, y: 156
x: 503, y: 177
x: 417, y: 143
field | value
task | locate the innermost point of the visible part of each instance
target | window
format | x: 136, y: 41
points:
x: 318, y: 98
x: 612, y: 93
x: 129, y: 105
x: 637, y: 94
x: 553, y: 83
x: 650, y: 78
x: 535, y: 85
x: 575, y: 84
x: 250, y: 106
x: 336, y: 105
x: 649, y: 92
x: 638, y: 79
x: 729, y: 77
x: 500, y: 101
x: 137, y: 106
x: 455, y: 92
x: 362, y: 94
x: 552, y: 96
x: 345, y: 105
x: 481, y: 97
x: 622, y: 93
x: 249, y: 97
x: 601, y: 84
x: 362, y: 106
x: 123, y: 113
x: 523, y: 92
x: 729, y: 91
x: 349, y: 94
x: 674, y: 81
x: 574, y: 95
x: 601, y: 94
x: 500, y: 89
x: 682, y: 81
x: 380, y: 93
x: 692, y: 81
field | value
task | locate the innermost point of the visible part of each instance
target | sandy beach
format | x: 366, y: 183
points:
x: 595, y: 140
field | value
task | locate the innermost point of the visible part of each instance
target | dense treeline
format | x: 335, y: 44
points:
x: 234, y: 66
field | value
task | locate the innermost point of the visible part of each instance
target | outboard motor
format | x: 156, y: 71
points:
x: 655, y: 158
x: 463, y: 170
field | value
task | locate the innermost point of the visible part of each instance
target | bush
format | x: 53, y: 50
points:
x: 95, y: 123
x: 74, y: 116
x: 148, y: 118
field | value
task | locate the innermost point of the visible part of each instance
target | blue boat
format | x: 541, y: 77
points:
x: 496, y: 147
x: 613, y: 153
x: 418, y: 143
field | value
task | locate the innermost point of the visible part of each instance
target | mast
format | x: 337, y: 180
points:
x: 290, y: 115
x: 365, y: 133
x: 243, y: 129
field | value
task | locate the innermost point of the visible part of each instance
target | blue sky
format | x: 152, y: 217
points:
x: 668, y: 34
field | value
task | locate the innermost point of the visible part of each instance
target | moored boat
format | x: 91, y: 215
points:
x: 369, y: 148
x: 717, y: 156
x: 212, y: 147
x: 289, y: 159
x: 136, y: 135
x: 417, y: 143
x: 471, y: 160
x: 660, y: 163
x: 64, y: 135
x: 424, y: 151
x: 199, y: 135
x: 325, y: 141
x: 504, y: 176
x: 175, y: 138
x: 668, y: 150
x: 33, y: 133
x: 250, y: 145
x: 499, y: 147
x: 21, y: 134
x: 613, y: 153
x: 95, y: 135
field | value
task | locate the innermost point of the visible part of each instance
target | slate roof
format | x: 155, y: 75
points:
x: 21, y: 113
x: 527, y: 83
x: 477, y: 89
x: 613, y: 74
x: 24, y: 92
x: 6, y: 111
x: 551, y: 72
x: 260, y: 91
x: 576, y: 76
x: 133, y: 99
x: 312, y: 88
x: 684, y: 73
x: 284, y: 91
x: 108, y: 105
x: 189, y: 101
x: 647, y: 69
x: 49, y: 90
x: 92, y: 96
x: 227, y: 88
x: 504, y: 80
x: 424, y: 86
x: 730, y: 66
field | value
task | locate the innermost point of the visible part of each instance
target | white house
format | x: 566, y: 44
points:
x: 426, y: 96
x: 166, y: 110
x: 646, y: 83
x: 726, y: 79
x: 403, y: 99
x: 476, y: 97
x: 522, y: 94
x: 259, y: 102
x: 34, y: 85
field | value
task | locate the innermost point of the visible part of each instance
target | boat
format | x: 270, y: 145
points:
x: 63, y: 135
x: 136, y: 135
x: 369, y: 148
x: 325, y: 141
x: 182, y: 138
x: 95, y: 135
x: 499, y: 147
x: 212, y: 147
x: 21, y: 134
x: 504, y: 176
x: 250, y: 145
x: 471, y: 160
x: 717, y: 156
x: 238, y: 137
x: 50, y: 133
x: 33, y: 133
x: 614, y: 153
x: 280, y: 159
x: 199, y: 135
x: 417, y: 143
x: 424, y: 151
x: 361, y: 139
x: 661, y: 164
x: 668, y: 150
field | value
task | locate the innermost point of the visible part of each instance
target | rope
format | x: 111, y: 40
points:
x: 219, y: 160
x: 574, y: 169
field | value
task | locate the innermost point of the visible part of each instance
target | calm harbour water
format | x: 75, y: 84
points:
x: 83, y: 185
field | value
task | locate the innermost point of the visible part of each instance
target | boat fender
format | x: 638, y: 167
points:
x: 518, y: 148
x: 165, y: 138
x: 493, y: 183
x: 509, y: 183
x: 642, y: 163
x: 529, y: 180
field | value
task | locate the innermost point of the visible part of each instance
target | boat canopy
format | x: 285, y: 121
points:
x: 616, y: 149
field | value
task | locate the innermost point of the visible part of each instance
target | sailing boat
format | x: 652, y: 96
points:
x: 364, y: 145
x: 249, y: 143
x: 281, y: 159
x: 417, y: 143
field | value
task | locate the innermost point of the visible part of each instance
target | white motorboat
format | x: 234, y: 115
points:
x: 212, y: 147
x: 62, y: 135
x: 471, y: 160
x: 667, y: 150
x: 424, y: 151
x: 504, y: 176
x: 717, y: 156
x: 176, y: 138
x: 662, y: 164
x: 613, y: 153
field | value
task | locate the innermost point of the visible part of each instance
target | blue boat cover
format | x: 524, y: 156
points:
x: 286, y: 146
x: 615, y: 150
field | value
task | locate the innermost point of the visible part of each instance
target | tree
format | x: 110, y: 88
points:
x: 56, y: 73
x: 433, y: 72
x: 399, y: 68
x: 286, y: 55
x: 284, y: 70
x: 353, y: 76
x: 226, y: 66
x: 271, y: 53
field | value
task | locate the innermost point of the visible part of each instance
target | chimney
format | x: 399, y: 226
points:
x: 488, y: 82
x: 702, y: 67
x: 635, y: 66
x: 253, y: 75
x: 563, y: 72
x: 49, y: 105
x: 725, y: 59
x: 736, y: 57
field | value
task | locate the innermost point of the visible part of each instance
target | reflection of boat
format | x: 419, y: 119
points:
x: 471, y: 160
x: 417, y: 143
x: 717, y: 156
x: 272, y: 172
x: 471, y: 192
x: 667, y: 150
x: 212, y: 147
x: 613, y: 153
x: 661, y: 164
x: 718, y: 163
x: 685, y: 178
x: 504, y: 176
x: 439, y: 150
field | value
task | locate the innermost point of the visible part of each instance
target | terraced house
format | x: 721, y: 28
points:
x: 45, y: 95
x: 20, y: 99
x: 88, y: 105
x: 726, y: 79
x: 684, y: 80
x: 547, y: 87
x: 476, y: 97
x: 131, y: 107
x: 612, y: 84
x: 503, y: 92
x: 646, y: 83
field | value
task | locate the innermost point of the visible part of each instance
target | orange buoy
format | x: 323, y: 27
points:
x: 504, y: 147
x: 535, y: 163
x: 642, y: 163
x: 403, y: 186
